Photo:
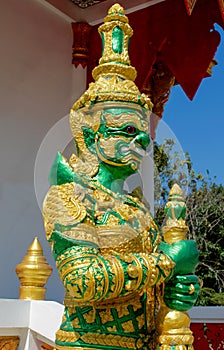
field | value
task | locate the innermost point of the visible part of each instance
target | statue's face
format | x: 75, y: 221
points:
x: 122, y: 138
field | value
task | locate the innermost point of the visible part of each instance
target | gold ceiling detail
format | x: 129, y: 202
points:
x: 86, y: 3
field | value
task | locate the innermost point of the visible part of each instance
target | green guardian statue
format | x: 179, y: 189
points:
x: 123, y: 281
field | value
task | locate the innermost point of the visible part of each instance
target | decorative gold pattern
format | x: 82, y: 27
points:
x: 62, y: 205
x: 78, y: 120
x: 83, y: 232
x: 110, y: 239
x: 109, y: 340
x: 108, y: 146
x: 118, y: 272
x: 70, y: 337
x: 118, y: 121
x: 113, y: 89
x: 45, y: 346
x: 33, y: 273
x: 9, y: 342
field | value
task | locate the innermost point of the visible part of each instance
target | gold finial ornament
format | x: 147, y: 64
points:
x: 114, y: 76
x: 175, y: 227
x: 176, y: 191
x: 33, y: 273
x: 174, y: 326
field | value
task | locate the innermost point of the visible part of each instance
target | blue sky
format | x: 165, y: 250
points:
x: 199, y: 124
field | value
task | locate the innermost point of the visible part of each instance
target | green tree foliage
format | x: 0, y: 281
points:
x: 205, y: 217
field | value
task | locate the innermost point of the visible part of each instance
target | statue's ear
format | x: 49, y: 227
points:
x: 89, y: 137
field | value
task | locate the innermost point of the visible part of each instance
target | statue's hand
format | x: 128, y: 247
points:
x: 181, y: 292
x: 185, y: 255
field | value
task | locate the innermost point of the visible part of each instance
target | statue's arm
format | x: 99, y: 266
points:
x: 91, y: 276
x: 87, y: 274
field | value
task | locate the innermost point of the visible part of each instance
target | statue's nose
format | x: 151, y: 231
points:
x: 143, y: 140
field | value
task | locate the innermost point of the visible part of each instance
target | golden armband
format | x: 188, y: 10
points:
x: 136, y: 271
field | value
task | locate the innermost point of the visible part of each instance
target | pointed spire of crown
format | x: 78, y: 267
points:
x: 114, y: 76
x: 115, y: 34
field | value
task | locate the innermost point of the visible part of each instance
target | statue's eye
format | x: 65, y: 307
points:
x: 130, y: 129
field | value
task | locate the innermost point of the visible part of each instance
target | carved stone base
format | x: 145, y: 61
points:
x: 46, y: 347
x: 9, y: 342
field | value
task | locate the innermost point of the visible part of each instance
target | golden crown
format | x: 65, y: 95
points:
x: 114, y: 76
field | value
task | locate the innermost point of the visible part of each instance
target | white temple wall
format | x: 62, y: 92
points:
x: 37, y: 87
